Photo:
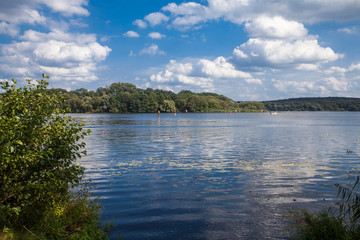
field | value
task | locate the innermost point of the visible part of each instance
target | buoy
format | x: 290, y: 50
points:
x: 174, y: 114
x: 229, y: 114
x: 102, y: 132
x: 158, y: 113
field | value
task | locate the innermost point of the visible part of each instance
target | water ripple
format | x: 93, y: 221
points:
x: 212, y: 176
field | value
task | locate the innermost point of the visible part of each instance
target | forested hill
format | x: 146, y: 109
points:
x: 314, y: 104
x: 127, y: 98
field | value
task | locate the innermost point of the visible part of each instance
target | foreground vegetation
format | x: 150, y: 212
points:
x: 127, y: 98
x: 314, y: 104
x: 39, y: 146
x: 332, y: 224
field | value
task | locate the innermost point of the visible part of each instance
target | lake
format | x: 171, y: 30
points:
x: 217, y: 176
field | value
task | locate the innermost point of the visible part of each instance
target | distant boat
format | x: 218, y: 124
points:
x: 273, y: 113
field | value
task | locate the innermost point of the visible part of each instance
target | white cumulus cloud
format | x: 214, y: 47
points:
x: 188, y: 14
x: 156, y: 18
x: 279, y: 46
x: 275, y: 27
x: 221, y: 68
x: 66, y: 56
x: 294, y: 86
x: 280, y: 52
x: 156, y: 35
x: 152, y: 50
x: 336, y: 70
x: 9, y: 29
x: 277, y: 42
x: 68, y: 7
x: 140, y: 23
x: 201, y: 74
x: 336, y: 84
x: 131, y: 34
x: 27, y: 11
x: 354, y: 67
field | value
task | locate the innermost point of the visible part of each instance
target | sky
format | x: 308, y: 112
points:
x: 243, y: 49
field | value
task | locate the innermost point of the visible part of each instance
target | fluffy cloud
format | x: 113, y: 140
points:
x: 20, y: 15
x: 337, y: 85
x: 9, y: 29
x: 275, y: 27
x: 307, y: 67
x: 180, y: 74
x: 278, y: 42
x: 200, y: 74
x: 26, y: 11
x: 188, y: 14
x: 68, y: 7
x: 131, y: 34
x: 336, y: 70
x: 156, y: 18
x: 66, y: 56
x: 220, y: 68
x: 140, y: 23
x: 69, y: 52
x: 316, y: 84
x: 152, y: 50
x: 294, y: 86
x: 257, y: 51
x: 354, y: 67
x: 279, y: 47
x: 156, y: 35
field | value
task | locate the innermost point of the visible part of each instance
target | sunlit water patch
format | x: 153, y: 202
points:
x: 215, y: 176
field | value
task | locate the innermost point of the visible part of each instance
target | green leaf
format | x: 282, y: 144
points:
x: 19, y: 142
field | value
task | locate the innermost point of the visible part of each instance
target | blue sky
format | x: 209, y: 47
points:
x: 243, y: 49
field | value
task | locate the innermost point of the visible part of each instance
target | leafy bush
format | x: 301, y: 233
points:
x: 77, y: 218
x: 39, y: 145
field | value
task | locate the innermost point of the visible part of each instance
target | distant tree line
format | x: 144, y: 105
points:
x: 314, y: 104
x: 127, y: 98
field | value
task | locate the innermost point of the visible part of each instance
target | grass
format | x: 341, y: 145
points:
x: 323, y: 225
x: 334, y: 224
x: 75, y: 219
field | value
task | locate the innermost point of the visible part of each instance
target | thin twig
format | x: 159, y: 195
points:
x: 31, y: 232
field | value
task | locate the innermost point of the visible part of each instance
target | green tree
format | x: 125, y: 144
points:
x: 38, y: 147
x: 168, y: 106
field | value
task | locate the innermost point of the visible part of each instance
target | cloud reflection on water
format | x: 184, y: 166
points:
x: 216, y: 170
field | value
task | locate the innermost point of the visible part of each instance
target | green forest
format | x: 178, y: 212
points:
x: 314, y: 104
x: 127, y: 98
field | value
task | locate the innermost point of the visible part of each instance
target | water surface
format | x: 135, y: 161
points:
x: 217, y: 176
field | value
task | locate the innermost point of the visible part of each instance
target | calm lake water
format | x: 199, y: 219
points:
x: 217, y: 176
